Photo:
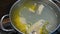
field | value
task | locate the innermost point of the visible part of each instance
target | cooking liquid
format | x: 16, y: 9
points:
x: 31, y: 14
x: 30, y: 17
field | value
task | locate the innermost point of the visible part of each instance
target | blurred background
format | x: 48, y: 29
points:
x: 5, y: 6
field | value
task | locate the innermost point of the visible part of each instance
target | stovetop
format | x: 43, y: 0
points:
x: 4, y: 9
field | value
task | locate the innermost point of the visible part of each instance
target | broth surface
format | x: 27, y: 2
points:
x: 26, y: 18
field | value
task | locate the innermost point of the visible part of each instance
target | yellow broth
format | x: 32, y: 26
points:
x: 27, y: 14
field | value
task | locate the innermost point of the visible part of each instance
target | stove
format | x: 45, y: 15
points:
x: 5, y: 7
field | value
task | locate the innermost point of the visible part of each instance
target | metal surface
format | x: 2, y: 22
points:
x: 50, y: 3
x: 2, y: 24
x: 54, y: 7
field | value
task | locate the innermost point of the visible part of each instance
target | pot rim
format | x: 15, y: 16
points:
x: 22, y: 32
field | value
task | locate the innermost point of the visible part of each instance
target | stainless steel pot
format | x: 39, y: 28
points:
x: 15, y: 9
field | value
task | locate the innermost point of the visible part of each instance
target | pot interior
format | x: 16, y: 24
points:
x: 34, y: 17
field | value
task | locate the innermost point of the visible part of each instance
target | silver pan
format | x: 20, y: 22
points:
x: 20, y: 4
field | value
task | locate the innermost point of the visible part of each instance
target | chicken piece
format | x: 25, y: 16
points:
x: 38, y: 27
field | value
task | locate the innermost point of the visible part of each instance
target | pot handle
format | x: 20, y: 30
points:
x: 2, y: 24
